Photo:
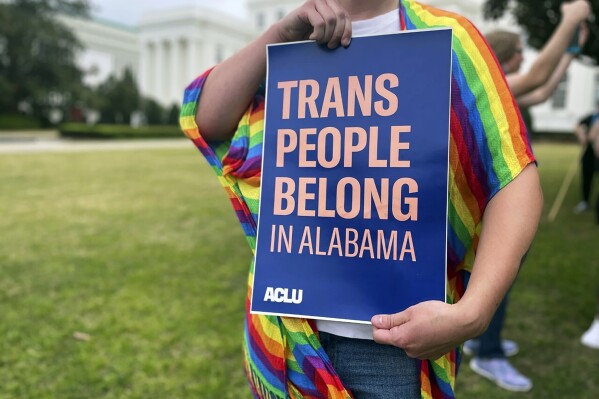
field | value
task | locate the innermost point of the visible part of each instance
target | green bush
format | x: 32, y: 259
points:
x: 105, y: 131
x: 18, y: 122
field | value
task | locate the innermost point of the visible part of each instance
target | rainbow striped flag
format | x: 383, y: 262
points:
x: 488, y: 149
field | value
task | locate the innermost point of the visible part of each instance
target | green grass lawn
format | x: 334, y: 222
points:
x: 140, y: 250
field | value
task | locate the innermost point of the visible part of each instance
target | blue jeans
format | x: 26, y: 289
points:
x: 372, y: 371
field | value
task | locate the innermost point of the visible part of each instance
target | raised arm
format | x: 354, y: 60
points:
x: 542, y: 93
x: 232, y: 84
x: 572, y: 15
x: 430, y: 329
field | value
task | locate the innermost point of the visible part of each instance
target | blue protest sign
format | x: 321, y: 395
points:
x: 353, y: 204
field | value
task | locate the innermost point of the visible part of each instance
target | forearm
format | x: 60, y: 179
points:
x: 541, y: 94
x: 432, y: 328
x: 509, y: 224
x: 573, y: 13
x: 230, y: 87
x: 553, y: 50
x: 232, y: 84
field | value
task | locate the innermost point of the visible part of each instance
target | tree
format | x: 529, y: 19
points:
x: 119, y: 98
x: 37, y: 65
x: 538, y: 18
x: 153, y: 111
x: 173, y: 115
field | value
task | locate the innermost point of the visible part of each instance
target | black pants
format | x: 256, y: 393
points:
x: 588, y: 163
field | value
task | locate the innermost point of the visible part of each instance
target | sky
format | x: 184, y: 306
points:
x: 129, y: 12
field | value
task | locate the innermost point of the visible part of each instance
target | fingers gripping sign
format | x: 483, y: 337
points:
x: 387, y: 329
x: 337, y: 28
x: 427, y: 330
x: 324, y: 21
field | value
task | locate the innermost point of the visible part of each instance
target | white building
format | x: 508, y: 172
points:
x: 109, y: 48
x: 178, y: 44
x: 172, y: 46
x: 264, y: 13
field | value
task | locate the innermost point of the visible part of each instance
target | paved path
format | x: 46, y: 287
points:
x: 58, y: 145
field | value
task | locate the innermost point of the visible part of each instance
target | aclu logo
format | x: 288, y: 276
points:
x: 283, y: 295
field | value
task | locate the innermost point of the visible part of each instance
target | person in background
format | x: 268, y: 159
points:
x: 591, y: 337
x: 594, y: 139
x: 589, y: 161
x: 535, y: 86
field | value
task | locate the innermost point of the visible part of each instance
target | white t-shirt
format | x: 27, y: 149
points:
x: 385, y: 23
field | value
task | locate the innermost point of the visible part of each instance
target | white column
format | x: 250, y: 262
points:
x: 206, y: 54
x: 158, y: 71
x: 175, y: 89
x: 184, y: 61
x: 193, y: 66
x: 168, y: 72
x: 145, y: 69
x: 165, y: 95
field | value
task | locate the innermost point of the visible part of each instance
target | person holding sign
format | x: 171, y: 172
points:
x: 494, y: 208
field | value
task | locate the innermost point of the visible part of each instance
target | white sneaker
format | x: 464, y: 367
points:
x: 591, y: 337
x: 582, y: 206
x: 502, y: 373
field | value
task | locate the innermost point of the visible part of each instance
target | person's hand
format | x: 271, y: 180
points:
x: 577, y: 10
x: 427, y: 330
x: 324, y: 21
